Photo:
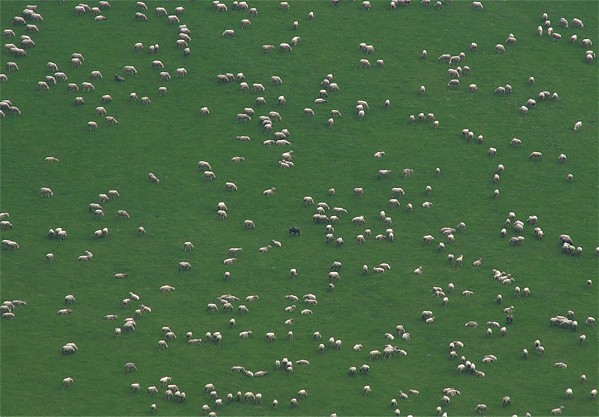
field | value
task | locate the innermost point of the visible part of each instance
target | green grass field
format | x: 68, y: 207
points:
x: 169, y: 137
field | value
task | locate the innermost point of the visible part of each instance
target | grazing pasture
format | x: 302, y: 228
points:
x: 127, y: 128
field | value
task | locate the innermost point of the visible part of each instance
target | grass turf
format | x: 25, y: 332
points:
x: 169, y: 137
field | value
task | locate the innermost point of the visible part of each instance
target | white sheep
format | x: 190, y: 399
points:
x: 535, y: 155
x: 364, y: 63
x: 123, y: 213
x: 5, y: 224
x: 130, y: 367
x: 374, y: 354
x: 230, y: 186
x: 46, y: 192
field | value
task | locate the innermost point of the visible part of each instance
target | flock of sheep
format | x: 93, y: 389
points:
x: 324, y: 216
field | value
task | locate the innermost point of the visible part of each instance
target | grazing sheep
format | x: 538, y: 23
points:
x: 364, y: 63
x: 5, y: 224
x: 130, y: 367
x: 123, y: 213
x: 230, y: 186
x: 66, y: 382
x: 46, y: 192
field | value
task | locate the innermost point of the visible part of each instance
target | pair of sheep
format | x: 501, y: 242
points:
x: 69, y: 348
